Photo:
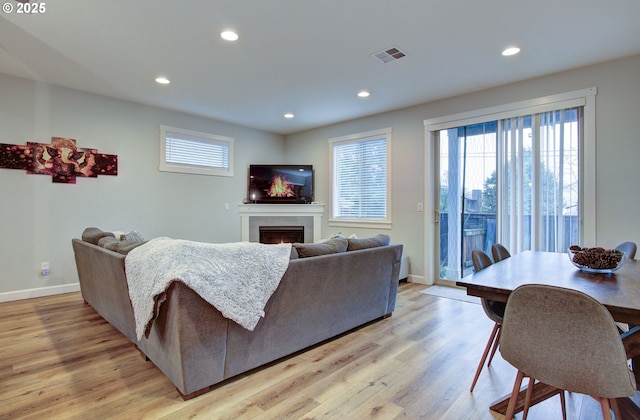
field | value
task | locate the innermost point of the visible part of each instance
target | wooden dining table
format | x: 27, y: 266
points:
x: 619, y: 292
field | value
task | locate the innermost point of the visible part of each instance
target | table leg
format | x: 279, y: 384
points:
x: 541, y: 392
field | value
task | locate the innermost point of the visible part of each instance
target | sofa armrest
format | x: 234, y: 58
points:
x: 104, y: 286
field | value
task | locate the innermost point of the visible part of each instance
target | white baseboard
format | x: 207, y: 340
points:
x: 417, y: 279
x: 404, y: 273
x: 39, y: 292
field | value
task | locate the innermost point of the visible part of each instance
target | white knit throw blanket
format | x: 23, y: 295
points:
x: 237, y: 278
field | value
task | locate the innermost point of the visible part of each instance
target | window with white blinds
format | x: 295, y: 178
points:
x: 194, y: 152
x: 360, y: 170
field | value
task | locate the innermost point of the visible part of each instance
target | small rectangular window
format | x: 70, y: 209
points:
x: 194, y: 152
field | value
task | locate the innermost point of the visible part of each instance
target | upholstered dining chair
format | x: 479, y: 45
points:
x: 629, y: 248
x: 567, y: 340
x: 499, y: 252
x: 493, y: 309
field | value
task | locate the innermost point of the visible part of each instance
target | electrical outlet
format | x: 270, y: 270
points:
x: 44, y: 268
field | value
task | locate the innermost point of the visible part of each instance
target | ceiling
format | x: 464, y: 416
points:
x: 307, y: 57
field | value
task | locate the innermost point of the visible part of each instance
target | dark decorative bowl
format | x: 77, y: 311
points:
x: 603, y: 262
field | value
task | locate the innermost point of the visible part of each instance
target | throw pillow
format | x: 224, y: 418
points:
x: 132, y: 236
x: 294, y: 253
x: 331, y: 246
x: 93, y: 235
x: 372, y: 242
x: 118, y: 234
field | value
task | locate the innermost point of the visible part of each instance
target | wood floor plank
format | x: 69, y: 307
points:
x: 59, y: 359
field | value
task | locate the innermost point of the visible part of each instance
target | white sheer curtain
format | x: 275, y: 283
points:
x: 538, y: 180
x: 537, y: 196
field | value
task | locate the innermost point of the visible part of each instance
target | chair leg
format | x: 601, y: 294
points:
x: 492, y: 338
x: 563, y: 404
x: 527, y: 398
x: 606, y: 408
x: 511, y: 408
x: 496, y: 343
x: 616, y: 408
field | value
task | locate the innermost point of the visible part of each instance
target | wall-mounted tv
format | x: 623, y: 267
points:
x: 280, y: 184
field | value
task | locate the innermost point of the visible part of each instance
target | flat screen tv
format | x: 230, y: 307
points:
x: 280, y: 184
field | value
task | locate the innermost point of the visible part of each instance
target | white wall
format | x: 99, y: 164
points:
x: 407, y: 185
x: 617, y: 168
x: 38, y: 218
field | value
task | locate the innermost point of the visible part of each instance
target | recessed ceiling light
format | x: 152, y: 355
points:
x: 289, y: 115
x: 162, y: 80
x: 363, y: 94
x: 511, y: 51
x: 229, y: 36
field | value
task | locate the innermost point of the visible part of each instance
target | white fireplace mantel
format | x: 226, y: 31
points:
x: 247, y: 211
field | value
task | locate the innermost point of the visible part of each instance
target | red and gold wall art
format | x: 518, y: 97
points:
x: 61, y: 159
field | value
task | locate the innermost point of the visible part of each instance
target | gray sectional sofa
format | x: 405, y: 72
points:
x: 328, y: 289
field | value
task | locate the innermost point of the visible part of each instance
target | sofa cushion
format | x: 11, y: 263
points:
x: 364, y: 243
x: 125, y: 246
x: 112, y: 246
x: 331, y: 246
x: 93, y: 235
x: 105, y: 240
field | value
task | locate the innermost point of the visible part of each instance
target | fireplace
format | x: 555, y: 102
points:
x: 281, y: 234
x: 252, y: 216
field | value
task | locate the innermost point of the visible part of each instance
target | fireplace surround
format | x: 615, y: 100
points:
x: 253, y: 216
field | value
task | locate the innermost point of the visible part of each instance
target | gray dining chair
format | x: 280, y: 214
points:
x: 567, y: 340
x: 499, y: 252
x: 493, y: 309
x: 629, y: 248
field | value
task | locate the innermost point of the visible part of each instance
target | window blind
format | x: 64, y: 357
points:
x: 193, y: 152
x: 189, y: 151
x: 360, y: 183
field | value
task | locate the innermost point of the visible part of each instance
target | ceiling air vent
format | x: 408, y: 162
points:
x: 389, y: 55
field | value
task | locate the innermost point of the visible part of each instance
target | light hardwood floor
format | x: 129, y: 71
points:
x: 59, y: 359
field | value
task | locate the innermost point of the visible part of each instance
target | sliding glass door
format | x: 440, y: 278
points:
x: 467, y: 195
x: 513, y: 180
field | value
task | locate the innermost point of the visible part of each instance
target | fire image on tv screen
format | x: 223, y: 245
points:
x: 280, y: 184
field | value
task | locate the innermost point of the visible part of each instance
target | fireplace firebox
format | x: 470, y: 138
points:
x: 281, y: 234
